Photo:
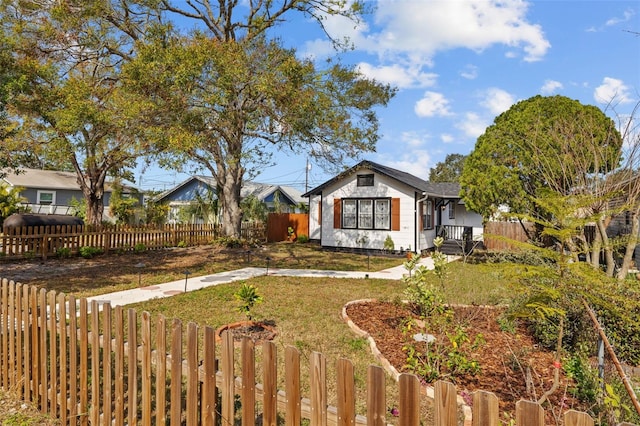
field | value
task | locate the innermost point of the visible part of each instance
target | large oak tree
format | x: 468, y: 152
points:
x: 230, y: 96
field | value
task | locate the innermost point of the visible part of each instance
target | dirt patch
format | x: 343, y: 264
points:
x: 512, y: 365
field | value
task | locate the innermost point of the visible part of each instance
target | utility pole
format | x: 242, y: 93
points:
x: 306, y: 176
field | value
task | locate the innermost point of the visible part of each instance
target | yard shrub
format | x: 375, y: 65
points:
x: 140, y: 248
x: 302, y: 238
x: 248, y: 297
x: 88, y: 251
x: 63, y: 252
x: 445, y: 353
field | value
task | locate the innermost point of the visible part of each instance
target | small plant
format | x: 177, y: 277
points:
x: 248, y: 297
x: 388, y: 244
x: 88, y: 251
x: 140, y: 248
x: 303, y: 238
x: 63, y: 252
x: 182, y: 244
x: 29, y: 254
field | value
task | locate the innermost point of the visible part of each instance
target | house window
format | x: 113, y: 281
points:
x: 366, y: 213
x: 46, y: 198
x: 365, y: 180
x: 452, y: 210
x: 427, y: 214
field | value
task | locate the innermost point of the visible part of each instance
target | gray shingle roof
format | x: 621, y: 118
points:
x: 440, y: 189
x: 48, y: 179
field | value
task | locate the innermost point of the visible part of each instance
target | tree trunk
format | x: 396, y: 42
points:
x: 606, y: 245
x: 230, y: 197
x: 630, y: 247
x: 95, y: 209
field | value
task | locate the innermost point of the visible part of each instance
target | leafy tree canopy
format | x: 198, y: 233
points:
x: 448, y: 170
x: 542, y: 142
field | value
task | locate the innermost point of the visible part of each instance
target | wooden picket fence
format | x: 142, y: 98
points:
x: 45, y: 241
x: 87, y: 363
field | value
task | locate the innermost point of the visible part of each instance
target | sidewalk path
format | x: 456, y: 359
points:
x: 135, y: 295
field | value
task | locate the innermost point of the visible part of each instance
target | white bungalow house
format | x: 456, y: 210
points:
x: 362, y: 206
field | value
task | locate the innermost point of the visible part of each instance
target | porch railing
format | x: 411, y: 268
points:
x: 455, y: 232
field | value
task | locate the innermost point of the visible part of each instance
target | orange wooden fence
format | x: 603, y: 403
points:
x: 279, y: 223
x: 93, y: 364
x: 45, y: 241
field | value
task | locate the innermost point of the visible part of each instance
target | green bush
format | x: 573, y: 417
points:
x: 140, y: 248
x: 63, y: 252
x: 88, y: 251
x: 182, y: 244
x: 302, y: 238
x: 229, y: 242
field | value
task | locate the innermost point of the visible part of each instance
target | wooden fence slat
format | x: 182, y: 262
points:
x: 485, y: 409
x: 293, y: 415
x: 4, y: 317
x: 84, y: 362
x: 346, y: 393
x: 73, y: 360
x: 35, y: 343
x: 376, y: 396
x: 53, y: 354
x: 208, y: 409
x: 227, y: 389
x: 63, y: 356
x: 318, y: 381
x: 409, y: 401
x: 20, y: 333
x: 27, y: 319
x: 11, y: 329
x: 529, y: 413
x: 445, y: 405
x: 119, y: 362
x: 132, y: 367
x: 146, y: 388
x: 575, y: 418
x: 43, y: 350
x: 95, y: 363
x: 107, y: 365
x: 248, y: 391
x: 161, y: 370
x: 270, y: 383
x: 193, y: 381
x: 176, y: 373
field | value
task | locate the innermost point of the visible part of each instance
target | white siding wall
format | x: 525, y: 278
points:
x: 348, y: 188
x: 314, y: 224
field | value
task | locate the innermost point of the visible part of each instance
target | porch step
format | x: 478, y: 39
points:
x: 452, y: 247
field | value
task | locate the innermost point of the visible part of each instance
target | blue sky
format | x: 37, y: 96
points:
x: 458, y: 64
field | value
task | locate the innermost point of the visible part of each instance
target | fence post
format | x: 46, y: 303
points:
x: 485, y: 410
x: 410, y: 401
x: 445, y: 404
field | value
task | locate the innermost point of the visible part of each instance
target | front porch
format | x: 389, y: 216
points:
x: 458, y: 240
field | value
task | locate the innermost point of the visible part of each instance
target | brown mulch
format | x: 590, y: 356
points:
x: 508, y: 360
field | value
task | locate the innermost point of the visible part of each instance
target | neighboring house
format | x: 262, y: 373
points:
x: 203, y: 188
x: 53, y: 192
x: 360, y: 207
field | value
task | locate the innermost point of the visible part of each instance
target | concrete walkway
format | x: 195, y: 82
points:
x: 135, y: 295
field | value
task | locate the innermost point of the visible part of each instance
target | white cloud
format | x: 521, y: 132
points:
x: 470, y: 72
x: 432, y: 104
x: 497, y: 100
x: 398, y: 75
x: 612, y: 91
x: 626, y: 16
x: 413, y: 139
x: 417, y: 162
x: 446, y: 138
x: 424, y: 28
x: 472, y: 125
x: 550, y: 86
